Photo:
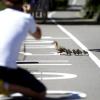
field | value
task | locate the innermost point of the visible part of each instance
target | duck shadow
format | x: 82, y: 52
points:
x: 94, y: 50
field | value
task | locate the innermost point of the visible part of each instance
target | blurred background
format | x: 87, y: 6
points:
x: 89, y: 10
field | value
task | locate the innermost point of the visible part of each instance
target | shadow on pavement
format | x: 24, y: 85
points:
x: 68, y: 21
x: 94, y: 50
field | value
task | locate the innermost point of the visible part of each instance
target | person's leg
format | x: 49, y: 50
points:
x: 29, y: 80
x: 22, y: 81
x: 26, y: 91
x: 13, y: 88
x: 29, y: 84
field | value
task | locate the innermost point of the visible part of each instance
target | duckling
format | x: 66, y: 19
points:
x: 68, y: 52
x: 79, y: 52
x: 74, y: 51
x: 85, y: 52
x: 56, y: 45
x: 59, y: 49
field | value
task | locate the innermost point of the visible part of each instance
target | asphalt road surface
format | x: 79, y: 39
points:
x: 63, y: 74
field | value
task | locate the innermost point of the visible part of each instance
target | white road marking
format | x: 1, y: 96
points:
x: 26, y: 53
x: 39, y: 46
x: 53, y: 75
x: 61, y: 92
x: 56, y: 64
x: 53, y: 38
x: 39, y: 54
x: 58, y: 92
x: 48, y: 61
x: 91, y: 55
x: 46, y: 37
x: 43, y: 37
x: 38, y: 42
x: 53, y: 61
x: 45, y: 42
x: 60, y: 38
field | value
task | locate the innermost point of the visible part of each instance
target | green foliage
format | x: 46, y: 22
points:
x: 1, y: 5
x: 91, y: 8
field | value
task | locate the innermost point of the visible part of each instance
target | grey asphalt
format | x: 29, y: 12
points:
x: 83, y: 66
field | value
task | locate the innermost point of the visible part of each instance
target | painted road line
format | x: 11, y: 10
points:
x: 47, y: 64
x: 53, y: 61
x: 39, y: 61
x: 51, y: 40
x: 60, y: 38
x: 43, y: 37
x: 53, y: 75
x: 39, y: 54
x: 56, y: 92
x: 39, y: 42
x: 46, y: 37
x: 39, y: 46
x: 91, y: 55
x: 62, y: 92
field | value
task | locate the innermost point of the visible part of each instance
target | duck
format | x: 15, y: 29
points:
x: 74, y: 51
x: 59, y: 48
x: 85, y: 52
x: 79, y: 52
x: 68, y: 52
